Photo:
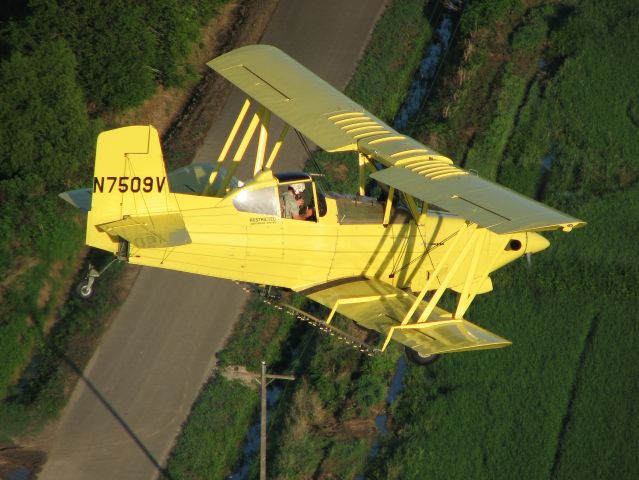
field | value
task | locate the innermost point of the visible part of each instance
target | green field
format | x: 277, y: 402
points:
x: 560, y: 402
x: 539, y: 80
x: 64, y: 66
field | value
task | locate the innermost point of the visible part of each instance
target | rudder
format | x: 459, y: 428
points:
x: 129, y: 181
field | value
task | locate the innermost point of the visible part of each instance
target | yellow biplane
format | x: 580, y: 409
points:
x: 383, y: 263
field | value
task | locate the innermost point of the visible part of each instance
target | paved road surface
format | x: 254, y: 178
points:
x: 139, y: 386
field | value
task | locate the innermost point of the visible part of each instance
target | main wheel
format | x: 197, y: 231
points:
x: 419, y: 359
x: 83, y: 290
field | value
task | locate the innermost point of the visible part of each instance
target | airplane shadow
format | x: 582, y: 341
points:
x: 105, y: 403
x: 53, y: 355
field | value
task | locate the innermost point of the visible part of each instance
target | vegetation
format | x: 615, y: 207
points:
x: 327, y: 416
x: 62, y: 64
x: 124, y: 48
x: 43, y: 388
x: 209, y: 445
x: 331, y: 419
x: 558, y: 402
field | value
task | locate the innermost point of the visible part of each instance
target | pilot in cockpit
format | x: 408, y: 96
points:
x: 293, y: 201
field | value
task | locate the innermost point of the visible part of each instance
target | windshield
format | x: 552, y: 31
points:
x: 261, y: 200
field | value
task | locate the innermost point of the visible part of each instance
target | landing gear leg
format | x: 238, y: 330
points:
x: 85, y: 287
x: 419, y: 359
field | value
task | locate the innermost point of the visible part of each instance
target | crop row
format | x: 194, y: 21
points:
x: 559, y: 402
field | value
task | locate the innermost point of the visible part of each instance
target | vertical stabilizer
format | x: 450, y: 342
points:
x: 129, y: 181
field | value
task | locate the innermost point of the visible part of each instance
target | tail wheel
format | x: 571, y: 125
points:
x: 84, y: 290
x: 419, y: 359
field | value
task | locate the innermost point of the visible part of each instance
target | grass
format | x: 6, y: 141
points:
x: 46, y: 382
x: 488, y: 149
x: 330, y: 395
x: 42, y: 244
x: 26, y: 307
x: 209, y: 445
x: 559, y: 402
x: 30, y: 299
x: 599, y: 430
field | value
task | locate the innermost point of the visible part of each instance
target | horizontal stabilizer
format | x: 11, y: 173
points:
x: 379, y: 306
x: 78, y: 198
x: 150, y: 231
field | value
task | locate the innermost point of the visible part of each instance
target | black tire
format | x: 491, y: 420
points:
x: 83, y: 290
x: 419, y: 359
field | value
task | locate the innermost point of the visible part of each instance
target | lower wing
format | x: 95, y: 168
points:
x: 381, y: 307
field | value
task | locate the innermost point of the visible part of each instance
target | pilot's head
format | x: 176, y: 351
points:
x: 297, y: 188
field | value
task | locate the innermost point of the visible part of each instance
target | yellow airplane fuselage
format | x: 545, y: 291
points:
x: 358, y: 256
x: 297, y: 254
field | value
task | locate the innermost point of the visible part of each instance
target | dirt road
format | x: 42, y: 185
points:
x: 138, y: 388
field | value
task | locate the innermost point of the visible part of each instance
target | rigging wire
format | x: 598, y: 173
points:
x: 427, y: 251
x: 414, y: 121
x: 311, y: 158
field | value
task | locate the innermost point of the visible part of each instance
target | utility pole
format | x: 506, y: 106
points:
x: 263, y: 379
x: 263, y: 423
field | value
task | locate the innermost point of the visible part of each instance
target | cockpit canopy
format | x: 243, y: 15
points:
x: 264, y: 194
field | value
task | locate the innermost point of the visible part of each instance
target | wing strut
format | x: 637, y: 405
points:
x: 468, y: 293
x: 241, y: 149
x: 371, y: 298
x: 261, y: 118
x: 227, y: 144
x: 389, y: 206
x: 364, y: 162
x: 475, y: 244
x: 265, y: 118
x: 277, y: 146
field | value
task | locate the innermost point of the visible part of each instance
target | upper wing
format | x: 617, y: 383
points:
x: 336, y: 123
x: 379, y: 306
x: 485, y: 203
x: 293, y: 93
